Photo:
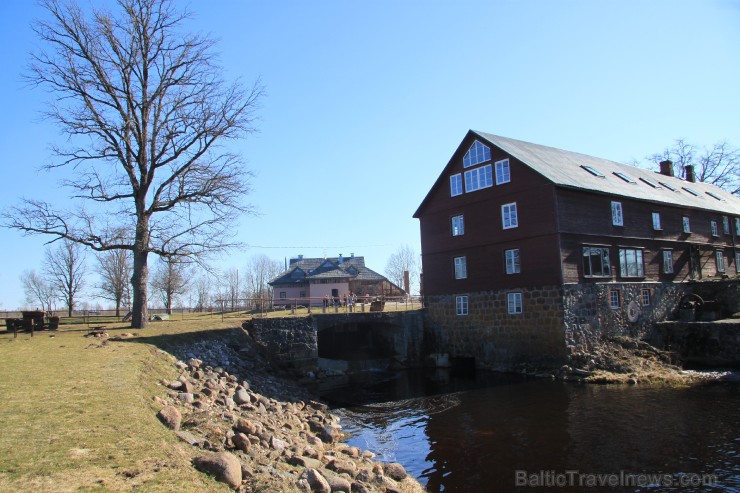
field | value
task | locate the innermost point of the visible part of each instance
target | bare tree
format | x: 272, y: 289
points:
x: 169, y: 281
x: 114, y: 268
x: 260, y: 270
x: 231, y: 277
x: 202, y: 291
x: 404, y: 259
x: 38, y: 290
x: 64, y: 267
x: 146, y: 112
x: 718, y: 165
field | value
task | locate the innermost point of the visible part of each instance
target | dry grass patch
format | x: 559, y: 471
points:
x: 77, y: 414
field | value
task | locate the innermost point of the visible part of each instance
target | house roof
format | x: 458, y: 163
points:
x: 566, y: 169
x: 306, y: 269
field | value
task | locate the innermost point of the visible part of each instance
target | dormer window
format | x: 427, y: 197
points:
x: 478, y: 153
x: 297, y: 274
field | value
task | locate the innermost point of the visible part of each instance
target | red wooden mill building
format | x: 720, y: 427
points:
x: 530, y: 252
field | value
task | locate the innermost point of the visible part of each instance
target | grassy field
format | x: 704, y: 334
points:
x: 77, y: 415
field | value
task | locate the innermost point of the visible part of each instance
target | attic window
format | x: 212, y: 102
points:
x: 672, y: 189
x: 297, y: 274
x: 692, y: 192
x: 624, y: 177
x: 477, y: 153
x: 714, y: 196
x: 649, y: 182
x: 592, y: 171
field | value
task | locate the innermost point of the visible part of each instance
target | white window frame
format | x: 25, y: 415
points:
x: 503, y: 172
x: 719, y: 259
x: 461, y: 267
x: 714, y: 227
x: 456, y: 185
x: 283, y: 295
x: 458, y: 225
x: 514, y: 303
x: 617, y: 217
x: 513, y: 261
x: 646, y: 297
x: 615, y: 298
x: 461, y: 305
x: 478, y: 178
x: 726, y: 225
x: 629, y: 257
x: 686, y: 221
x: 737, y: 262
x: 509, y: 216
x: 667, y: 261
x: 478, y: 153
x: 656, y: 221
x: 603, y: 254
x: 737, y: 226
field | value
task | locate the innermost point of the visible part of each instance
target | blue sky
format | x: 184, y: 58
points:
x: 366, y: 101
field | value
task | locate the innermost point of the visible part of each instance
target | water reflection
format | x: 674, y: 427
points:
x: 458, y: 434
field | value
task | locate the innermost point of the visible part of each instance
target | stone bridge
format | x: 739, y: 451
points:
x: 342, y: 341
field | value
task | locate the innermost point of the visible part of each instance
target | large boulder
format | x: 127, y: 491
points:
x: 224, y: 467
x: 394, y: 470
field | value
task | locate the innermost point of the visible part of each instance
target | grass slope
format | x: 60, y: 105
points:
x: 76, y: 414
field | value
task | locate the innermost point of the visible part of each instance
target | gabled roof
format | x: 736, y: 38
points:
x: 568, y: 169
x: 351, y: 268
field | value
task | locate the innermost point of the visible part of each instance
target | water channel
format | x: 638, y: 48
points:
x: 502, y: 433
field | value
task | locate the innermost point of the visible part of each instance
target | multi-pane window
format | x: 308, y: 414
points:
x: 514, y: 303
x: 617, y: 219
x: 283, y: 295
x: 686, y: 224
x: 509, y: 217
x: 615, y: 298
x: 461, y: 268
x: 461, y: 305
x: 713, y: 227
x: 630, y: 262
x: 667, y: 261
x: 456, y: 187
x: 478, y: 178
x: 596, y: 262
x: 503, y: 175
x: 458, y: 225
x: 645, y: 297
x: 726, y: 225
x: 737, y: 262
x: 478, y: 153
x: 512, y: 261
x: 720, y: 259
x: 737, y: 227
x: 656, y: 221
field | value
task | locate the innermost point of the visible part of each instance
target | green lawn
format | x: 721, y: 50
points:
x: 77, y: 414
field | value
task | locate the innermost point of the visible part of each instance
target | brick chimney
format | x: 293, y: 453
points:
x: 666, y: 168
x: 690, y: 175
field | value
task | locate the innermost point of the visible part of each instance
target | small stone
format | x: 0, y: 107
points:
x: 242, y: 397
x: 337, y: 483
x: 316, y: 481
x: 394, y: 470
x: 241, y: 442
x: 245, y: 426
x: 359, y: 488
x: 186, y: 397
x: 171, y: 417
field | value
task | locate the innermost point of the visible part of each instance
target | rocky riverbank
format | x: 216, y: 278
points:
x: 258, y: 432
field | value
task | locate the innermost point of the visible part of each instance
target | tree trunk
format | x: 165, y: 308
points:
x: 139, y: 285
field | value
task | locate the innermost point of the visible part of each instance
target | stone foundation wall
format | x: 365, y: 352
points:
x: 286, y: 341
x: 496, y: 339
x: 589, y: 318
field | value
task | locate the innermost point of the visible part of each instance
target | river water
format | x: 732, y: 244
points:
x: 502, y: 433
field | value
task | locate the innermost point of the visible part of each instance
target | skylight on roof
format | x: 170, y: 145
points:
x: 714, y: 196
x: 649, y: 182
x: 692, y: 192
x: 592, y: 171
x: 672, y: 189
x: 624, y: 177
